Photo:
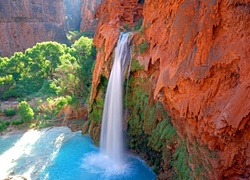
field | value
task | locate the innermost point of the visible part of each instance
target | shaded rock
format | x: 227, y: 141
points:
x: 85, y: 127
x: 88, y: 9
x: 24, y: 23
x: 74, y: 127
x: 70, y: 113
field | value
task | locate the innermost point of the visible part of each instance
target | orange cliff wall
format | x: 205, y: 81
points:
x: 204, y: 80
x: 202, y: 52
x: 88, y: 9
x: 24, y: 23
x: 112, y: 16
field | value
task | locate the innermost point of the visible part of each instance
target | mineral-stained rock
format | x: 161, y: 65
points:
x: 88, y: 10
x: 24, y: 23
x: 201, y: 49
x: 112, y: 15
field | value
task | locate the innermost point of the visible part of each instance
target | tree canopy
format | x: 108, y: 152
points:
x: 48, y: 67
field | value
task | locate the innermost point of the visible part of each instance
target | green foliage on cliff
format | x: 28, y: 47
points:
x: 135, y: 66
x: 163, y: 134
x: 150, y: 130
x: 143, y: 47
x: 149, y: 127
x: 180, y: 163
x: 98, y: 104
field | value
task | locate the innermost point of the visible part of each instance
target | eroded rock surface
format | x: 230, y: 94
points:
x: 24, y: 23
x: 201, y: 49
x: 88, y: 9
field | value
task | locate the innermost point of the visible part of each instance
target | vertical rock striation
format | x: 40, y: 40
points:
x: 24, y: 23
x: 88, y: 10
x: 201, y: 51
x: 72, y: 14
x: 112, y: 15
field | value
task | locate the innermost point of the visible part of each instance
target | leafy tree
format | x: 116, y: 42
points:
x: 25, y: 112
x: 85, y: 58
x: 49, y: 67
x: 4, y: 62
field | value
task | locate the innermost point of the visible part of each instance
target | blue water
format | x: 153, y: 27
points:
x: 58, y: 154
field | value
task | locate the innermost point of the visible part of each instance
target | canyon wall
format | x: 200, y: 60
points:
x: 72, y: 14
x: 88, y: 10
x: 195, y: 58
x: 24, y: 23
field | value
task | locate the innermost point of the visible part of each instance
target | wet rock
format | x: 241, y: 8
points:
x: 85, y: 127
x: 200, y: 53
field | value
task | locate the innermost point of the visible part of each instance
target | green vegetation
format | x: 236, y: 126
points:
x: 48, y: 68
x: 180, y: 162
x: 138, y: 25
x: 53, y: 73
x: 10, y: 112
x: 135, y: 66
x: 143, y: 47
x: 75, y: 35
x: 98, y: 104
x: 25, y: 112
x: 126, y: 27
x: 146, y: 134
x: 4, y: 125
x: 151, y: 133
x: 163, y: 134
x: 17, y: 122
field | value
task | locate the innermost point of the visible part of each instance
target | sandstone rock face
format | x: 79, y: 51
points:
x: 201, y: 49
x: 112, y: 15
x: 24, y: 23
x: 72, y: 14
x: 88, y: 10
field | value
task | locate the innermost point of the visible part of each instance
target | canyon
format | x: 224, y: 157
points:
x: 25, y: 23
x: 195, y: 58
x: 187, y: 108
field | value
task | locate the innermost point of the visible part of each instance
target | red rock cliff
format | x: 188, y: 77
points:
x: 88, y: 10
x: 201, y: 49
x: 24, y: 23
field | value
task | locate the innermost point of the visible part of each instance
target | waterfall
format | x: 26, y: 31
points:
x: 112, y: 119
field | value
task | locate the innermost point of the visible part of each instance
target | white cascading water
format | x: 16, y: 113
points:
x: 112, y: 119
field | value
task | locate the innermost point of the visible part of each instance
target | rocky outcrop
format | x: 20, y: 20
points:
x: 199, y: 53
x: 113, y: 16
x: 24, y: 23
x: 88, y: 9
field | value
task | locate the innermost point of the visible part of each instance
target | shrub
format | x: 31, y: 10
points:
x: 17, y: 122
x: 49, y: 88
x: 4, y: 125
x: 10, y: 112
x: 135, y: 66
x: 143, y: 47
x: 62, y: 101
x: 7, y: 123
x: 138, y: 25
x: 25, y: 112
